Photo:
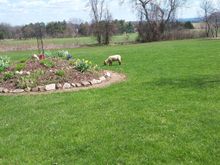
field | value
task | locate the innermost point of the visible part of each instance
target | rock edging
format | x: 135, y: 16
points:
x: 66, y: 86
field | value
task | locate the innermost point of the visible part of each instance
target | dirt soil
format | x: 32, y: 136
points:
x: 49, y: 75
x: 115, y: 78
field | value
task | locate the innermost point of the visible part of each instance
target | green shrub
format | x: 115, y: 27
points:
x: 72, y: 62
x: 188, y: 25
x: 84, y: 65
x: 8, y: 75
x: 4, y: 63
x: 62, y: 53
x: 20, y: 66
x: 48, y: 63
x: 60, y: 73
x: 50, y: 54
x: 23, y: 60
x: 29, y: 80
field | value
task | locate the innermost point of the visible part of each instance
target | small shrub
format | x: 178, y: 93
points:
x: 72, y: 62
x: 4, y: 63
x: 62, y: 53
x: 69, y: 56
x: 1, y: 79
x: 29, y: 80
x: 23, y: 60
x: 47, y: 63
x: 25, y: 81
x: 50, y: 54
x: 188, y: 25
x: 60, y: 73
x: 20, y: 66
x: 8, y: 75
x: 84, y: 65
x: 95, y: 67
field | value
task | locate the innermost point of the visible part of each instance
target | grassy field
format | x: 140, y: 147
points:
x: 65, y: 42
x: 167, y: 112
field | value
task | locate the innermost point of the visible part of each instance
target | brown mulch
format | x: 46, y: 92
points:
x: 115, y: 78
x: 71, y: 75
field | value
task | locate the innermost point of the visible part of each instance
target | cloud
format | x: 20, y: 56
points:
x: 3, y: 1
x: 17, y: 12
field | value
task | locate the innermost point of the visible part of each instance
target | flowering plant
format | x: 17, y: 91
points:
x: 4, y: 63
x: 84, y: 65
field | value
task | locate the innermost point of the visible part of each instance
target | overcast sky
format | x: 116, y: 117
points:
x: 19, y: 12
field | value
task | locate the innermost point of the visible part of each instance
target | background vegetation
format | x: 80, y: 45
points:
x: 167, y: 112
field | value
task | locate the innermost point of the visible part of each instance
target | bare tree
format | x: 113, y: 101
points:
x: 97, y: 8
x: 39, y: 30
x: 102, y: 24
x: 214, y: 21
x: 155, y: 17
x: 207, y: 8
x: 108, y: 27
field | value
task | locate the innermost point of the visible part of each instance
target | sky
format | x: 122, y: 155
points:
x: 20, y: 12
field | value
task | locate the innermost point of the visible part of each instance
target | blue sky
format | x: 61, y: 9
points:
x: 19, y: 12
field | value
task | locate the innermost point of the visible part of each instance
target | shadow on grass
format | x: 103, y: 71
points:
x: 201, y: 82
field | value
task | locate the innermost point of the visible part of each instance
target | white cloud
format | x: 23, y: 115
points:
x: 26, y: 11
x: 3, y: 1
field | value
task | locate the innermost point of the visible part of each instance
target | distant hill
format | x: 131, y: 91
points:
x: 193, y: 20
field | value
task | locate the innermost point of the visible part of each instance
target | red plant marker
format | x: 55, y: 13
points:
x: 41, y: 56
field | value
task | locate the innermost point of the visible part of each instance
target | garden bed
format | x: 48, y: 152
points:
x: 54, y: 72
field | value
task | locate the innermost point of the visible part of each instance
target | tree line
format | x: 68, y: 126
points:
x: 157, y: 20
x: 211, y: 17
x: 60, y: 29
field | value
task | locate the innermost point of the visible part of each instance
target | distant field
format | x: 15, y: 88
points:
x: 167, y: 112
x: 199, y: 25
x: 57, y: 43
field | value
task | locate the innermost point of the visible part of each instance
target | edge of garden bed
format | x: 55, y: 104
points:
x: 113, y: 79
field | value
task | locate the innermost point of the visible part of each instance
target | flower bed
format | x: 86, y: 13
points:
x: 54, y: 72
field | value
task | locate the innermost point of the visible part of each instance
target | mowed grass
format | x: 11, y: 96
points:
x: 167, y: 112
x: 131, y: 37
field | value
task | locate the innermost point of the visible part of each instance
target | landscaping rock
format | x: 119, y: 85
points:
x: 41, y: 88
x: 102, y: 78
x: 107, y: 75
x: 34, y: 89
x: 26, y: 73
x: 1, y: 90
x: 85, y: 83
x: 73, y: 85
x: 66, y: 86
x: 34, y: 56
x: 50, y: 87
x: 94, y: 81
x: 28, y: 89
x: 18, y: 91
x: 78, y: 85
x: 20, y: 73
x: 5, y: 90
x: 59, y: 86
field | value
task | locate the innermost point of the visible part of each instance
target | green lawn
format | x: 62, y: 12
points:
x: 66, y: 41
x: 167, y: 112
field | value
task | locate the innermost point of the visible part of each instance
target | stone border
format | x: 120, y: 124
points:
x: 107, y: 79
